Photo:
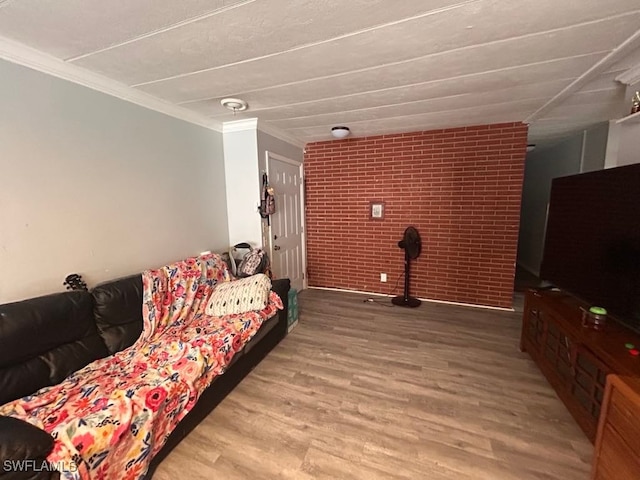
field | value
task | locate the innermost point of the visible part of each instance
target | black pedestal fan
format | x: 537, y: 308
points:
x: 411, y: 244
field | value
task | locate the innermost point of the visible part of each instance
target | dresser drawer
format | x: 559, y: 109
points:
x: 621, y: 418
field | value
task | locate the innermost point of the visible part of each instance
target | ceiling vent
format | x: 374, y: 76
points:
x: 234, y: 104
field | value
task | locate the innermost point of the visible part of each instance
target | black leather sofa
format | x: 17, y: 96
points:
x: 44, y: 339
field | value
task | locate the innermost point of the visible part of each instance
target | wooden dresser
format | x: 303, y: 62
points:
x: 574, y: 359
x: 617, y: 452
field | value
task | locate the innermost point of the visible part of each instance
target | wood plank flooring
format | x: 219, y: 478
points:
x: 362, y: 391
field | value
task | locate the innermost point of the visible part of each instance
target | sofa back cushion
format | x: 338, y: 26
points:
x: 118, y: 311
x: 43, y: 340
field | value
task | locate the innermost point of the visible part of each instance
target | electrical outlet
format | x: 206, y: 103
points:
x: 383, y: 277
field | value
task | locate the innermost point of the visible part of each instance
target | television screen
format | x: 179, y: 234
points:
x: 592, y: 244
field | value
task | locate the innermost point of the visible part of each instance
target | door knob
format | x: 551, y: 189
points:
x: 276, y: 247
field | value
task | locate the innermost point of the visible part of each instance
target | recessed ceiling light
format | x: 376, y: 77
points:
x: 234, y: 104
x: 340, y: 132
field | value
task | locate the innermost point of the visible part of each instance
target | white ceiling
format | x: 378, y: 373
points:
x: 375, y: 65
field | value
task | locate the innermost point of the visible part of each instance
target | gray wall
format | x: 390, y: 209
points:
x: 595, y: 147
x: 628, y: 151
x: 268, y: 143
x: 541, y: 167
x: 98, y: 186
x: 584, y: 151
x: 271, y: 144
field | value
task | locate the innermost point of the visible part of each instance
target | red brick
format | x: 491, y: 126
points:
x: 460, y: 187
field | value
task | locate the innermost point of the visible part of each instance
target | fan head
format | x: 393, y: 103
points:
x: 411, y: 242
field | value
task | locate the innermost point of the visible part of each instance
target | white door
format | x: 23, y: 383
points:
x: 287, y: 223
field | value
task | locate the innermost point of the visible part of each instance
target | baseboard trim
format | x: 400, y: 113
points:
x: 430, y: 300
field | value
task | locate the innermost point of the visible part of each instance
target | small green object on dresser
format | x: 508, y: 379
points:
x: 292, y: 315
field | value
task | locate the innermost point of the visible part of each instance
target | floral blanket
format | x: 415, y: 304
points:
x: 110, y: 418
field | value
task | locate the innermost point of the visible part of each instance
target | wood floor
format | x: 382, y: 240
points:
x: 362, y: 391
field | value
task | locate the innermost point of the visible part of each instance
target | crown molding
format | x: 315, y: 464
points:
x: 280, y: 134
x: 255, y: 124
x: 24, y: 55
x: 240, y: 125
x: 630, y: 77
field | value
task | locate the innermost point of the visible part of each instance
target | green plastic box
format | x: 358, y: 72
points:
x: 292, y: 315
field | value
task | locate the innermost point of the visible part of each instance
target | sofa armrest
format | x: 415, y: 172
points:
x: 23, y: 448
x: 281, y: 286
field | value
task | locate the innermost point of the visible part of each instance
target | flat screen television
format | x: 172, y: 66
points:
x: 592, y: 242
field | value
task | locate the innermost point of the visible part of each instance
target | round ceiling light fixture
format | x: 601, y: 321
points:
x: 234, y: 104
x: 340, y: 132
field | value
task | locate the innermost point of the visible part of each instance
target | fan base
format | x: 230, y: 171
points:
x: 411, y: 302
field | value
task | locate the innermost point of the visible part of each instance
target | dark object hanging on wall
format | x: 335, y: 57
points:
x: 412, y: 245
x: 75, y: 282
x: 267, y: 200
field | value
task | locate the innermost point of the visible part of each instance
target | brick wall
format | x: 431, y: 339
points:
x: 459, y: 187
